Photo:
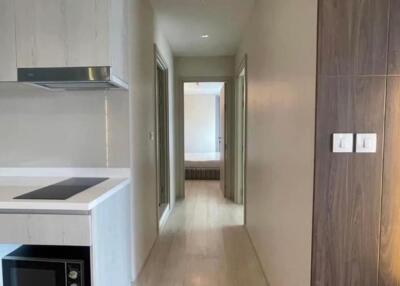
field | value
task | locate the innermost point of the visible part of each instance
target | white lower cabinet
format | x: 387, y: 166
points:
x: 45, y: 229
x: 106, y: 229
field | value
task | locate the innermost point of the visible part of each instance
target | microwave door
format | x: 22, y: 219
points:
x: 28, y: 273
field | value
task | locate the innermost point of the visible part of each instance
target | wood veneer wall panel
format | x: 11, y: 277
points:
x: 389, y: 270
x: 347, y: 186
x: 394, y: 44
x: 353, y: 37
x: 352, y: 69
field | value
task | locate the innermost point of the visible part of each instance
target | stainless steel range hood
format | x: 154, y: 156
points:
x: 71, y: 78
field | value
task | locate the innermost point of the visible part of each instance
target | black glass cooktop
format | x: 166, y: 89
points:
x: 62, y: 190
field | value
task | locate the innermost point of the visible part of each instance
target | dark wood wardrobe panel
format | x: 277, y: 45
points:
x: 389, y: 271
x: 353, y: 37
x: 347, y: 197
x: 394, y: 43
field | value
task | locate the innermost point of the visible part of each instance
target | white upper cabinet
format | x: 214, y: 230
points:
x: 8, y: 70
x: 68, y: 33
x: 62, y: 33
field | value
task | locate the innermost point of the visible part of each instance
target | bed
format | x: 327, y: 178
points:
x: 202, y: 166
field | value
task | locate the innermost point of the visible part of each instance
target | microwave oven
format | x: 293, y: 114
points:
x: 47, y: 266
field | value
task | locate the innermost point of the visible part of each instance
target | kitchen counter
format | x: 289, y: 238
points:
x: 98, y: 218
x: 11, y: 187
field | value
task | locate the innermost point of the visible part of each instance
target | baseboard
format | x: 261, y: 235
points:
x: 164, y: 218
x: 255, y: 252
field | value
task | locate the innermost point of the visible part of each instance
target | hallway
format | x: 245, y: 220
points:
x: 203, y: 243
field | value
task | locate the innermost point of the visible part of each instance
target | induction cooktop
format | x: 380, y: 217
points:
x: 62, y: 190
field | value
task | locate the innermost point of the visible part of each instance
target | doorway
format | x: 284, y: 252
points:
x: 216, y: 162
x: 162, y: 137
x: 204, y: 131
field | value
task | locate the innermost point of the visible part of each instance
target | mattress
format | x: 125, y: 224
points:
x: 202, y: 160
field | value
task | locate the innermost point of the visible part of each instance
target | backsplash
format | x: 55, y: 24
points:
x: 40, y: 128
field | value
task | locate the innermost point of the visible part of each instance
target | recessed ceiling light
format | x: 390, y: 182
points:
x: 205, y: 36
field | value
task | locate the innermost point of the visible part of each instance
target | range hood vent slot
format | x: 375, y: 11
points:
x: 71, y: 78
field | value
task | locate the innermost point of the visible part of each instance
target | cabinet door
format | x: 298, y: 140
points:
x: 59, y: 33
x: 8, y: 70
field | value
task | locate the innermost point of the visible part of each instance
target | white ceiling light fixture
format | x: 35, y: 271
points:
x: 205, y: 36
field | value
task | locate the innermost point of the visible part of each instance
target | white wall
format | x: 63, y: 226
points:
x: 40, y: 128
x: 117, y: 118
x: 142, y: 110
x: 281, y: 45
x: 144, y: 32
x: 200, y: 123
x: 204, y: 66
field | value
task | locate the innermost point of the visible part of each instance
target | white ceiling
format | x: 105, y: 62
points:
x: 184, y: 22
x: 203, y: 88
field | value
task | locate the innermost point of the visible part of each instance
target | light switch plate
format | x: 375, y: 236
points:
x: 366, y: 142
x: 343, y: 142
x: 151, y: 136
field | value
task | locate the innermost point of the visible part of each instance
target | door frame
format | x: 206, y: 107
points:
x: 159, y: 62
x: 229, y: 125
x: 241, y: 139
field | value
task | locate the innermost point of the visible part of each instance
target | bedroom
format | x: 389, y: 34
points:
x: 204, y: 130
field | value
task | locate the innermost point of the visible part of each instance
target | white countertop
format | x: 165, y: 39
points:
x: 15, y: 185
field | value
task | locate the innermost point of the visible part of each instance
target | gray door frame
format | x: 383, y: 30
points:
x: 162, y: 167
x: 241, y: 138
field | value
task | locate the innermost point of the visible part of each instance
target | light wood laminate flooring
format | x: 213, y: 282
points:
x: 203, y: 243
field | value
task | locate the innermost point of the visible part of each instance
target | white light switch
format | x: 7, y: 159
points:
x: 343, y: 142
x: 151, y: 136
x: 366, y: 143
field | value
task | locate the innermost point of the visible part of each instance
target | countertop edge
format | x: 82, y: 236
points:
x: 65, y: 172
x: 108, y: 194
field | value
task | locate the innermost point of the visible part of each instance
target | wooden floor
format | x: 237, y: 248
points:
x: 203, y: 244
